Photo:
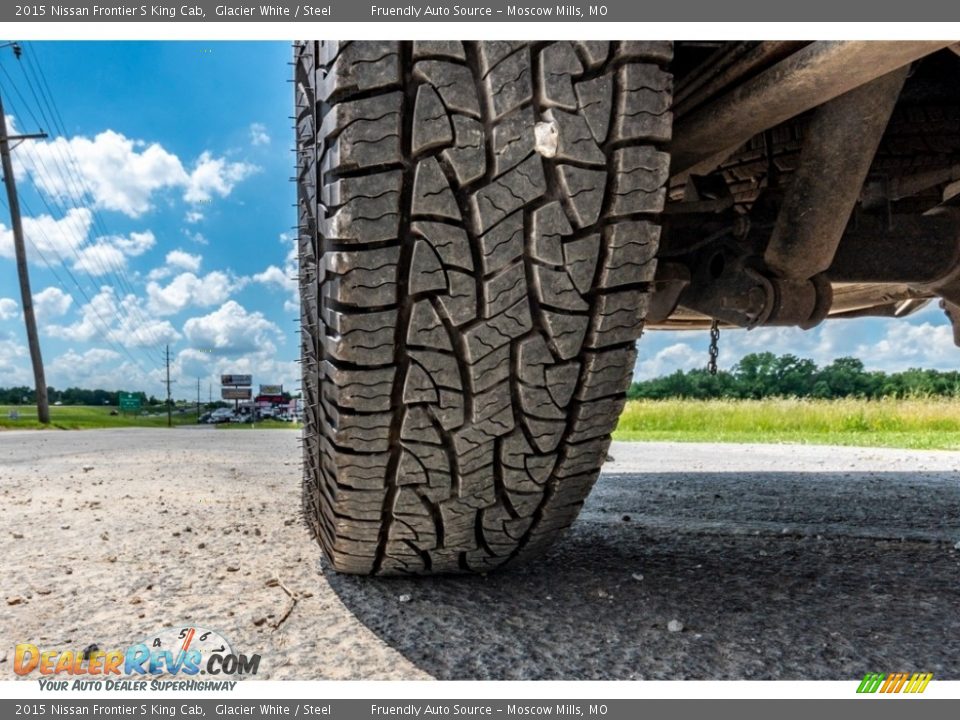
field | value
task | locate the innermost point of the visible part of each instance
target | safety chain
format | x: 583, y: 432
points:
x: 714, y: 347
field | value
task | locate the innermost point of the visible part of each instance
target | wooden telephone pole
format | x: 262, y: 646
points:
x: 26, y: 297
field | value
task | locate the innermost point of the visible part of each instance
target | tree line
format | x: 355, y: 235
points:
x: 23, y: 395
x: 764, y: 375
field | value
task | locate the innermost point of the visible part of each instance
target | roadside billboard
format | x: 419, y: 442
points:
x: 236, y: 379
x: 271, y: 389
x: 235, y: 393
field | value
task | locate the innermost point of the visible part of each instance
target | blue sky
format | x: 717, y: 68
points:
x: 181, y: 228
x: 185, y: 149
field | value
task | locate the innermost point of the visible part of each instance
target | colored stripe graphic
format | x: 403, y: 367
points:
x: 894, y: 683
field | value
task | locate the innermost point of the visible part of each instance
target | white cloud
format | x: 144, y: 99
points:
x: 258, y: 134
x: 14, y: 362
x: 51, y: 302
x: 275, y: 276
x: 184, y: 260
x: 214, y: 176
x: 123, y: 174
x: 51, y: 237
x: 8, y: 308
x: 231, y: 329
x: 193, y: 216
x: 109, y: 253
x: 284, y: 278
x: 123, y: 321
x: 187, y: 289
x: 679, y: 356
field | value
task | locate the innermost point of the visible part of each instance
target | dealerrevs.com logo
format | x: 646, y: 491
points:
x: 187, y: 652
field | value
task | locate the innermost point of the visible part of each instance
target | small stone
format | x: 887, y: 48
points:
x: 674, y: 626
x: 638, y: 577
x: 202, y: 545
x: 956, y: 545
x: 15, y: 600
x: 546, y: 139
x: 87, y: 468
x: 18, y: 536
x: 64, y: 527
x: 404, y: 598
x: 232, y: 568
x: 626, y: 518
x: 259, y: 621
x: 256, y: 531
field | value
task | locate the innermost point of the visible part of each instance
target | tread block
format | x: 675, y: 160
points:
x: 468, y: 156
x: 639, y: 176
x: 431, y: 191
x: 575, y: 139
x: 558, y: 62
x: 362, y: 133
x: 460, y: 302
x: 606, y: 373
x: 431, y: 124
x: 425, y: 328
x: 439, y: 48
x: 643, y: 105
x: 556, y: 289
x: 448, y: 241
x: 485, y: 337
x: 661, y: 50
x: 548, y: 226
x: 566, y: 332
x: 631, y: 252
x: 619, y: 318
x: 584, y: 190
x: 454, y: 82
x: 364, y: 278
x: 426, y: 272
x: 595, y: 51
x: 509, y: 192
x: 504, y: 289
x: 367, y: 390
x: 595, y: 419
x: 489, y: 370
x: 503, y: 244
x: 509, y: 85
x: 367, y: 208
x: 360, y: 67
x: 513, y: 139
x: 491, y: 52
x: 441, y: 367
x: 580, y: 259
x: 365, y: 339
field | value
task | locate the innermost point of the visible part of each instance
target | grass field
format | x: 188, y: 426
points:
x: 86, y: 417
x: 920, y: 424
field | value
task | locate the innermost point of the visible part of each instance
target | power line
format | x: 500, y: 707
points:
x: 69, y: 180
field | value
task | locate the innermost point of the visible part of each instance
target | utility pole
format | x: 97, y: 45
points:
x: 26, y: 297
x: 198, y: 400
x: 169, y: 406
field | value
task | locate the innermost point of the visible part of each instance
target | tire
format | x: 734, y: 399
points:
x: 470, y: 303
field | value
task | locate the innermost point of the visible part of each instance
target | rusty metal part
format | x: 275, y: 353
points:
x: 952, y: 311
x: 748, y: 58
x: 879, y: 192
x: 670, y: 281
x: 841, y: 140
x: 919, y: 251
x: 809, y: 77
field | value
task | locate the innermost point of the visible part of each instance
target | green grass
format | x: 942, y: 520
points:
x: 85, y: 417
x: 89, y: 417
x: 260, y: 425
x: 921, y: 424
